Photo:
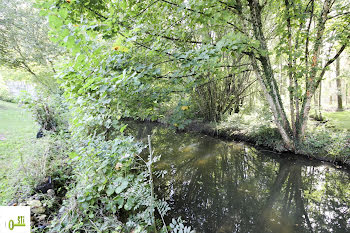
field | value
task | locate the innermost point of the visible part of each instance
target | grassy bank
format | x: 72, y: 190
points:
x: 24, y: 160
x: 17, y: 135
x: 340, y: 120
x: 325, y: 141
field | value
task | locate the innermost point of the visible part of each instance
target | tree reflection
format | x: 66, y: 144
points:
x: 228, y: 187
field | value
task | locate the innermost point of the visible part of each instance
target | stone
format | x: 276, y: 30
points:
x: 34, y: 203
x: 46, y: 185
x: 41, y: 217
x: 51, y: 193
x: 36, y: 197
x: 38, y: 210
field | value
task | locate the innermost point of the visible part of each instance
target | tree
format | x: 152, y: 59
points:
x: 25, y: 41
x: 303, y: 59
x: 188, y: 39
x: 339, y: 89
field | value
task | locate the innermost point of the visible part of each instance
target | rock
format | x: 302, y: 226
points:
x: 40, y: 134
x: 34, y: 203
x: 36, y: 197
x: 22, y: 204
x: 51, y: 193
x: 13, y: 203
x: 42, y: 227
x: 41, y: 218
x: 38, y: 210
x: 46, y: 185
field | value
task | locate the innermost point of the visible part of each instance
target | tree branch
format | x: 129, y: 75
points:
x: 338, y: 15
x: 329, y: 62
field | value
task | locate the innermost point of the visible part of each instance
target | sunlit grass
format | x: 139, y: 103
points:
x: 17, y: 139
x: 340, y: 120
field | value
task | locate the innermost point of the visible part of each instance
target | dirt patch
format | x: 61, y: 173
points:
x: 2, y: 137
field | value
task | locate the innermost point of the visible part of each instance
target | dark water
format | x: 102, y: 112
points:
x: 219, y: 186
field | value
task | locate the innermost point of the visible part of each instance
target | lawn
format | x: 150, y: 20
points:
x: 340, y: 120
x: 17, y: 141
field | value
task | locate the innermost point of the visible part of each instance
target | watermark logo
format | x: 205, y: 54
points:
x: 14, y: 219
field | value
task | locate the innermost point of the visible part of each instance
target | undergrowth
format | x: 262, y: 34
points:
x: 322, y: 140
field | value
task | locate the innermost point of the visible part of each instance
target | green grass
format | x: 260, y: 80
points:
x: 341, y: 120
x: 17, y: 134
x: 25, y: 160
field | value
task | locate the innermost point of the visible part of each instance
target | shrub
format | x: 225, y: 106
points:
x: 50, y: 112
x: 333, y: 143
x: 111, y: 190
x: 268, y: 137
x: 5, y: 94
x: 38, y: 160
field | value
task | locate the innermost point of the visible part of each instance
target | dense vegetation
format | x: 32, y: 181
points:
x: 248, y: 69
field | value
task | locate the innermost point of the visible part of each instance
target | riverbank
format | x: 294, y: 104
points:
x: 17, y: 142
x: 34, y: 172
x: 269, y: 138
x: 322, y: 142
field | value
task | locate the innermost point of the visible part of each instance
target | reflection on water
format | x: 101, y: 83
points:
x: 219, y: 186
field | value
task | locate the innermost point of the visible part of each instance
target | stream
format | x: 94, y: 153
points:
x: 221, y: 186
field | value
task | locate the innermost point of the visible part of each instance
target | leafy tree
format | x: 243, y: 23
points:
x: 174, y: 46
x: 24, y: 41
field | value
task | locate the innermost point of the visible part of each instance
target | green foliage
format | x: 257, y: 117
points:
x: 177, y: 226
x: 334, y: 144
x: 25, y: 43
x: 25, y: 160
x: 268, y: 137
x: 50, y: 112
x: 5, y: 94
x: 181, y: 115
x: 111, y: 188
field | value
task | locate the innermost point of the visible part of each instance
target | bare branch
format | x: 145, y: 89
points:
x: 338, y: 15
x: 329, y: 62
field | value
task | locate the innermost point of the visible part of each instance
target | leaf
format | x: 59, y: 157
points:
x: 122, y: 186
x: 72, y: 155
x: 129, y: 203
x: 123, y: 128
x: 120, y: 202
x: 110, y: 190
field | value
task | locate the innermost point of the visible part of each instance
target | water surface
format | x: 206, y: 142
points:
x: 220, y: 186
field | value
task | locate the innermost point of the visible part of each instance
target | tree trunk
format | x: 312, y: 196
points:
x: 346, y: 94
x: 313, y: 81
x: 339, y: 91
x: 266, y: 77
x: 319, y: 102
x: 292, y: 132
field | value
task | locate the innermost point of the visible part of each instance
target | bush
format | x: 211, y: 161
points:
x: 268, y: 137
x: 111, y: 190
x: 5, y: 94
x: 50, y: 112
x: 323, y: 141
x: 38, y: 159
